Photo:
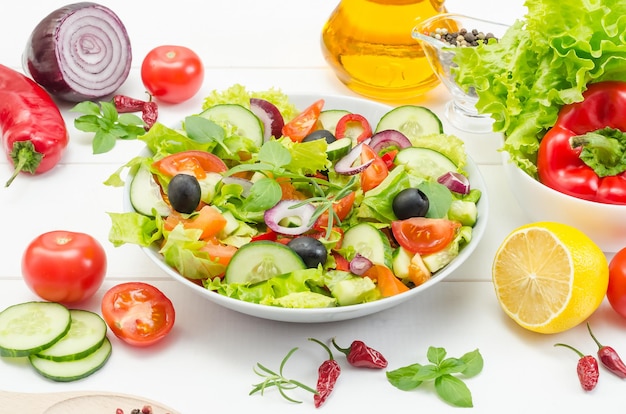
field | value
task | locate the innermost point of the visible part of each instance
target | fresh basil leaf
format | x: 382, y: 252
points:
x: 427, y: 373
x: 130, y: 120
x: 87, y: 123
x: 264, y: 194
x: 103, y: 142
x: 473, y: 363
x: 404, y: 378
x: 451, y: 366
x: 274, y: 153
x: 203, y: 130
x: 439, y: 198
x: 87, y: 108
x: 435, y: 355
x: 453, y: 391
x: 108, y: 111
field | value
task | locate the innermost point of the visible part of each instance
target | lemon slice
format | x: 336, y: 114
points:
x: 549, y: 277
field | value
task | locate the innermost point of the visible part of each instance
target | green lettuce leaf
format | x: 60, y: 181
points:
x: 541, y: 63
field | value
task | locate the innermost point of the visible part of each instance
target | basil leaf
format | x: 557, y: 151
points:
x: 453, y: 391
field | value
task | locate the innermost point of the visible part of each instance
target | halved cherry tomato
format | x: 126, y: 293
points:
x: 208, y: 219
x: 341, y: 263
x: 304, y: 123
x: 353, y: 124
x: 194, y: 162
x: 138, y: 313
x: 376, y: 172
x: 424, y: 235
x: 388, y: 284
x: 341, y: 208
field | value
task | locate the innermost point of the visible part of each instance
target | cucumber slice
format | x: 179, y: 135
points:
x: 401, y: 263
x: 86, y: 334
x: 145, y: 194
x: 369, y: 242
x: 339, y: 149
x: 73, y: 370
x: 411, y: 120
x: 261, y: 260
x: 245, y: 122
x: 328, y: 119
x: 425, y: 162
x: 31, y: 327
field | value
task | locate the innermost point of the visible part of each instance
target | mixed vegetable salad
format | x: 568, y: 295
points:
x: 258, y: 201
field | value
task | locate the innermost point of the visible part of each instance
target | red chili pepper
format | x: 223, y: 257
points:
x: 327, y: 375
x: 361, y: 355
x: 587, y: 369
x: 149, y: 109
x: 349, y: 122
x: 34, y: 134
x: 609, y: 357
x: 582, y: 155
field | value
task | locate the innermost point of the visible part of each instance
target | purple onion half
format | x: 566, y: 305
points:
x: 79, y: 52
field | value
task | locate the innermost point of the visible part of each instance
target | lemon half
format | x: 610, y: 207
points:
x: 549, y: 277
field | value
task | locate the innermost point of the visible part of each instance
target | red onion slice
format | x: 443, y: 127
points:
x: 79, y: 52
x: 360, y: 264
x: 285, y: 209
x: 455, y: 182
x: 270, y: 116
x: 389, y: 138
x: 345, y: 165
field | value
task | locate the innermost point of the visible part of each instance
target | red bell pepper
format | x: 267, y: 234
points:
x: 353, y: 126
x: 584, y: 154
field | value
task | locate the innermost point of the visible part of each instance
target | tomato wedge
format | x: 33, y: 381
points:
x: 341, y: 208
x: 376, y: 172
x: 388, y: 284
x: 304, y: 123
x: 424, y: 235
x: 192, y: 162
x: 138, y: 313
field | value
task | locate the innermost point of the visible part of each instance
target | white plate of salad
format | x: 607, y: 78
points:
x: 354, y: 208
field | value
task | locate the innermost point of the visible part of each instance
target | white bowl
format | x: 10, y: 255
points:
x: 605, y: 224
x: 373, y: 112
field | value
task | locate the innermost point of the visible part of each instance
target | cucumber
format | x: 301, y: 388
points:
x: 31, y: 327
x: 328, y: 119
x: 401, y: 263
x: 245, y: 122
x: 72, y: 370
x: 339, y: 149
x: 412, y: 120
x: 425, y: 162
x: 86, y: 334
x: 145, y: 194
x: 369, y: 242
x: 261, y: 260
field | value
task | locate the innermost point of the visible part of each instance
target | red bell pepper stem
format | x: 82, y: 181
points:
x: 361, y: 355
x: 328, y: 373
x: 587, y: 369
x: 609, y: 357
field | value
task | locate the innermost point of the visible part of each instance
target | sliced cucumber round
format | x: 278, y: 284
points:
x: 412, y: 120
x: 339, y: 149
x: 86, y: 334
x: 145, y: 194
x: 261, y: 260
x: 425, y: 162
x: 369, y: 242
x: 328, y: 119
x: 73, y: 370
x: 31, y: 327
x: 246, y: 123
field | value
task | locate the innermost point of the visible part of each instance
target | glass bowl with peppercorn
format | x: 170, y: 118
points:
x: 440, y: 36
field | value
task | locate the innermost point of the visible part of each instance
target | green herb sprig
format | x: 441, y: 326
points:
x: 107, y: 124
x: 278, y: 380
x: 441, y: 370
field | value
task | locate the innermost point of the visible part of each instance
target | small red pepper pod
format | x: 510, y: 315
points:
x: 362, y: 356
x: 328, y: 373
x: 609, y: 357
x: 587, y: 369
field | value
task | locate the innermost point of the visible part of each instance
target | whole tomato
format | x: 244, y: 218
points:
x: 64, y: 266
x: 616, y: 292
x: 172, y: 74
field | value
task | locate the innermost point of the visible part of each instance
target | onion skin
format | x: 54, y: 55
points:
x: 79, y: 52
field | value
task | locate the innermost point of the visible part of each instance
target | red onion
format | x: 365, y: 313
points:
x: 389, y: 138
x: 455, y: 182
x: 270, y: 116
x: 285, y: 209
x: 79, y: 52
x: 345, y: 165
x: 360, y: 264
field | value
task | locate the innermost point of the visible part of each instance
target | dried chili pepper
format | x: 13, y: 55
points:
x: 328, y: 372
x: 587, y: 369
x: 609, y: 357
x: 149, y: 109
x: 362, y: 356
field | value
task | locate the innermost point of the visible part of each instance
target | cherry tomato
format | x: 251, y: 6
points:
x: 424, y: 235
x: 64, y: 266
x: 341, y: 208
x: 304, y: 123
x: 196, y: 163
x: 138, y: 313
x: 376, y: 172
x: 172, y: 74
x: 616, y: 292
